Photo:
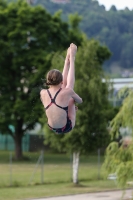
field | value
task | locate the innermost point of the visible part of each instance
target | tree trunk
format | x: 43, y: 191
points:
x: 18, y: 146
x: 75, y: 167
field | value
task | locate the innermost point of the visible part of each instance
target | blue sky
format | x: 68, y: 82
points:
x: 120, y: 4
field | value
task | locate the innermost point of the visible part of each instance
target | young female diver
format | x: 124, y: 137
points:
x: 59, y: 100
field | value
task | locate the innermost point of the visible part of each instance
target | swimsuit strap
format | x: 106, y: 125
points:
x: 56, y: 94
x: 53, y: 99
x: 49, y: 94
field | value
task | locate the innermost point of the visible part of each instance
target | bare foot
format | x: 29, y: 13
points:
x: 73, y: 50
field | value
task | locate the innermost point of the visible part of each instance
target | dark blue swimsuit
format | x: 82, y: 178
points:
x: 68, y: 127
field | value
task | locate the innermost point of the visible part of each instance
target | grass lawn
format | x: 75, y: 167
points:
x: 57, y: 177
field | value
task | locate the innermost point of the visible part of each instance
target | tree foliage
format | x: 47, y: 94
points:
x: 119, y: 158
x: 124, y: 117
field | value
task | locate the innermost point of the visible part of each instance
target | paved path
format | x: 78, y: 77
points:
x: 112, y: 195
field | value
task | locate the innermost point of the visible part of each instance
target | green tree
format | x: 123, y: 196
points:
x: 90, y: 131
x: 119, y: 158
x: 27, y: 43
x: 124, y: 117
